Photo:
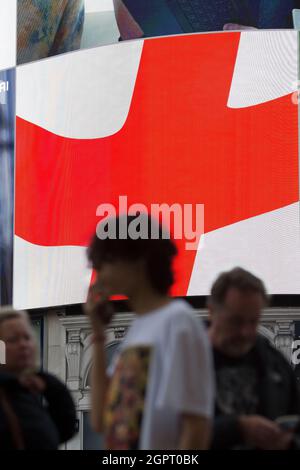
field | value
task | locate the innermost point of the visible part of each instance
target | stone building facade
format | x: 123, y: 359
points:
x: 67, y: 353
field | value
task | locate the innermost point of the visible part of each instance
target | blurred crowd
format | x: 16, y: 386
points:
x: 174, y: 383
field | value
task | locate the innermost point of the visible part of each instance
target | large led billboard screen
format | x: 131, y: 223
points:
x: 206, y: 119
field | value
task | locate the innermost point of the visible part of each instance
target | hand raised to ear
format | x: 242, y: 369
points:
x: 97, y: 307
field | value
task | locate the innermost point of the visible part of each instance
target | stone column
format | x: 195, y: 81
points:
x: 284, y: 337
x: 73, y: 357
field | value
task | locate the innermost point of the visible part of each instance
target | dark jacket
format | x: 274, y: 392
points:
x: 45, y: 420
x: 278, y: 394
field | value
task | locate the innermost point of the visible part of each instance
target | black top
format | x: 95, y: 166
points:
x: 237, y: 380
x: 261, y: 382
x: 46, y: 420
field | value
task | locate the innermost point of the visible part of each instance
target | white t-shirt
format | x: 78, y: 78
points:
x: 162, y: 369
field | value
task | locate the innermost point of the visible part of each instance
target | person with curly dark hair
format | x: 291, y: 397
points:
x: 158, y: 393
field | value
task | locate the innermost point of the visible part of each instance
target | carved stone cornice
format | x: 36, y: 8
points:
x: 124, y: 319
x: 277, y: 324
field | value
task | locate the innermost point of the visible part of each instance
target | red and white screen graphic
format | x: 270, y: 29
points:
x: 198, y: 119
